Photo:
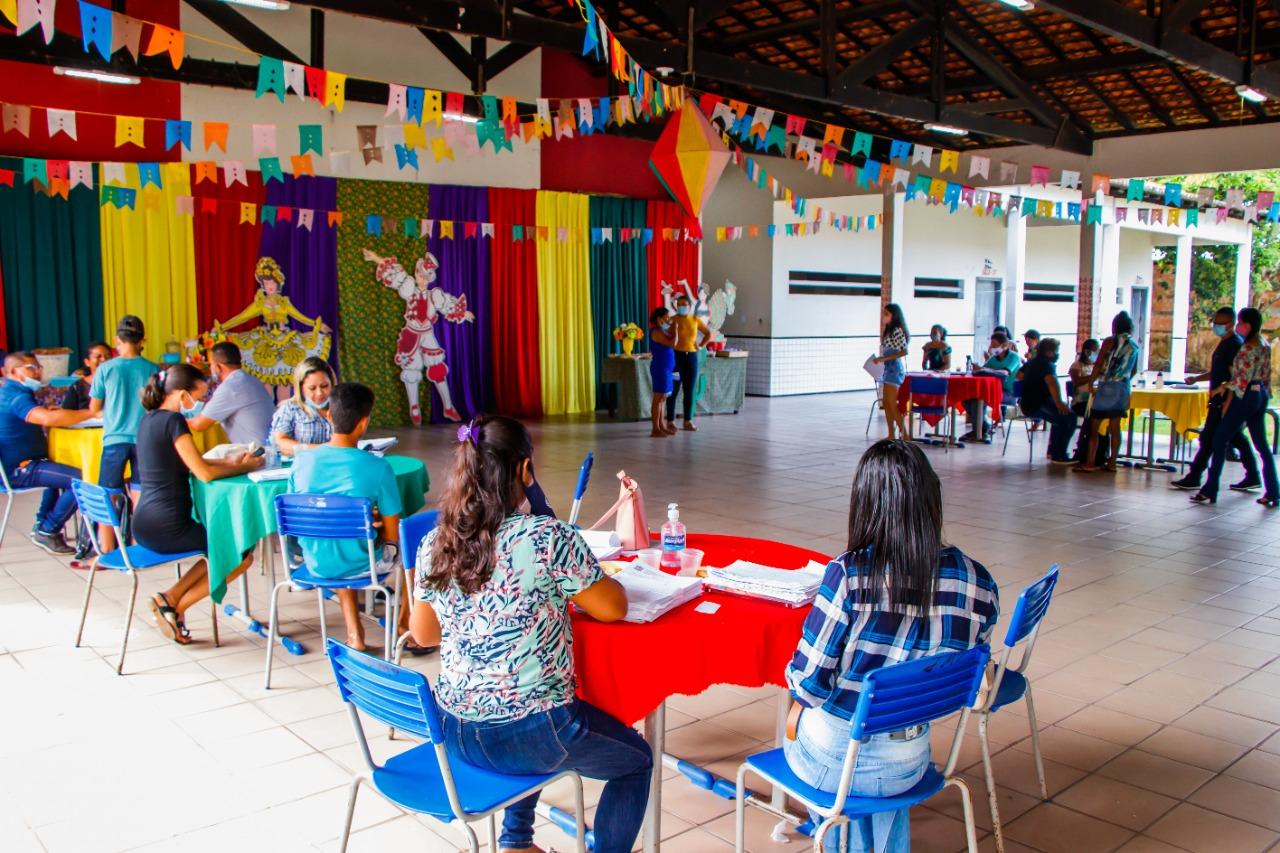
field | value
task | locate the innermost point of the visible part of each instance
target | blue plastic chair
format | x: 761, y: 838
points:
x: 329, y: 517
x: 97, y: 508
x: 1007, y: 421
x: 426, y: 779
x: 1009, y: 684
x: 925, y: 385
x: 413, y: 530
x: 10, y: 492
x: 892, y: 698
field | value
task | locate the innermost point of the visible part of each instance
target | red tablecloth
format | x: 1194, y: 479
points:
x: 961, y: 387
x: 628, y: 669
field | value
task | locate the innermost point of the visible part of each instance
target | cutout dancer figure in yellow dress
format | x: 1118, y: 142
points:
x: 273, y: 349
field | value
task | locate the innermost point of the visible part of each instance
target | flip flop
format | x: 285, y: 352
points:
x: 167, y: 621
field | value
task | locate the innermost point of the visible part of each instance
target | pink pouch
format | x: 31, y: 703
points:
x: 630, y: 525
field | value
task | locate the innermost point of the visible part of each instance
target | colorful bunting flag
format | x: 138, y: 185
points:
x: 95, y: 29
x: 61, y: 121
x: 149, y: 173
x: 177, y: 132
x: 16, y: 118
x: 126, y: 32
x: 129, y: 131
x: 32, y: 13
x: 165, y: 40
x: 215, y: 133
x: 301, y: 164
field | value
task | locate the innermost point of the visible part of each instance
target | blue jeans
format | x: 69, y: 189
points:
x: 1061, y: 428
x: 59, y: 502
x: 1244, y: 412
x: 578, y: 737
x: 885, y: 767
x: 687, y: 368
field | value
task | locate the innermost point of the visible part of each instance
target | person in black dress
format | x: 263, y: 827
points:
x: 163, y: 519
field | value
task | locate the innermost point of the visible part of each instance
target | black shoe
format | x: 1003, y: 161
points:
x: 1247, y: 485
x: 1271, y: 503
x: 1187, y: 483
x: 419, y: 651
x: 52, y: 543
x: 1201, y: 498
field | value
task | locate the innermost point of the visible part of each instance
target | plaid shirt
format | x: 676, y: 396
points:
x: 843, y: 640
x: 301, y: 424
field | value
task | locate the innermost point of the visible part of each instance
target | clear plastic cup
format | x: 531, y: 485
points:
x: 690, y: 561
x: 651, y: 557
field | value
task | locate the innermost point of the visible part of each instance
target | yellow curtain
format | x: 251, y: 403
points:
x: 564, y: 304
x: 148, y: 260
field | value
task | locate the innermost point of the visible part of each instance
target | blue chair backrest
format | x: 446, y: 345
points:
x: 95, y: 503
x: 934, y: 386
x: 391, y: 694
x: 325, y: 517
x: 412, y: 531
x: 1017, y: 389
x: 918, y: 691
x: 1032, y: 604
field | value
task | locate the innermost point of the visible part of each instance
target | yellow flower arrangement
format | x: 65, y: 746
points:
x: 628, y: 332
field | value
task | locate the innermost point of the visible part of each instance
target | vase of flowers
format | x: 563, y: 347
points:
x: 628, y: 334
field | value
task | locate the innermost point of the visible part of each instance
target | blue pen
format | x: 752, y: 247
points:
x: 584, y: 476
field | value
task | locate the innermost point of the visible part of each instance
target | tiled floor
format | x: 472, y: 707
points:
x: 1157, y: 678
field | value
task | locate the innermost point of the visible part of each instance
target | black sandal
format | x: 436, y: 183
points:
x: 167, y: 620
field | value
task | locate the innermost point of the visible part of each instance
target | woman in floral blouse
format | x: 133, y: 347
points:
x: 302, y: 421
x: 1244, y: 404
x: 494, y: 586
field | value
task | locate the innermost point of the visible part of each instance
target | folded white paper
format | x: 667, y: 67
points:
x: 795, y: 587
x: 263, y: 475
x: 378, y: 445
x: 651, y: 593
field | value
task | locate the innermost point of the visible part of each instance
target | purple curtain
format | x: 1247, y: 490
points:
x: 309, y: 259
x: 464, y: 270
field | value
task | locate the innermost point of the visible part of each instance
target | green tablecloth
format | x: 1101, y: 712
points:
x: 726, y: 386
x: 238, y: 513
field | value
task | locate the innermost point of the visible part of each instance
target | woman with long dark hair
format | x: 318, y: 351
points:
x: 894, y: 339
x: 163, y: 520
x: 1113, y: 371
x: 898, y: 593
x: 1244, y: 405
x: 494, y: 586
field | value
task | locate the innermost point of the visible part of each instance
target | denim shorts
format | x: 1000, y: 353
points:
x: 114, y: 459
x: 894, y: 372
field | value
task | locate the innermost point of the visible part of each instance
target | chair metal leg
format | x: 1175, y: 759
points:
x: 579, y: 814
x: 324, y: 625
x: 1031, y: 443
x: 493, y: 832
x: 8, y: 508
x: 213, y: 611
x: 128, y: 622
x: 88, y: 591
x: 739, y: 812
x: 1035, y: 744
x: 991, y: 783
x: 351, y: 811
x: 473, y: 843
x: 273, y: 629
x: 970, y: 828
x: 1007, y: 432
x: 390, y: 618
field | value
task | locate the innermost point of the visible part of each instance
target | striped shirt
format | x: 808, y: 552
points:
x: 844, y: 638
x: 301, y: 424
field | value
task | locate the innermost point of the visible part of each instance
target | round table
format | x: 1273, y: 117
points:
x: 239, y: 513
x: 961, y: 387
x: 81, y: 447
x: 629, y: 670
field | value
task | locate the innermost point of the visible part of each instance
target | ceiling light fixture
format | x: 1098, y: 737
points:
x: 100, y: 76
x: 462, y: 117
x: 949, y: 129
x: 273, y: 5
x: 1249, y: 93
x: 1020, y: 5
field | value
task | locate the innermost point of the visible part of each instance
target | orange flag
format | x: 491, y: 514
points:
x: 335, y: 218
x: 215, y: 133
x: 206, y: 170
x: 302, y: 165
x: 165, y: 40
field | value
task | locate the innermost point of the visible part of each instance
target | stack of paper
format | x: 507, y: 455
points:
x: 378, y: 445
x: 604, y: 544
x: 263, y: 475
x: 651, y: 593
x: 92, y: 423
x: 795, y: 588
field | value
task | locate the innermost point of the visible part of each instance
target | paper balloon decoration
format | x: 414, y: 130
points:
x: 689, y: 158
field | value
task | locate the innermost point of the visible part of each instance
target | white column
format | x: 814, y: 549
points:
x: 1244, y: 272
x: 1181, y: 307
x: 891, y: 227
x: 1015, y: 263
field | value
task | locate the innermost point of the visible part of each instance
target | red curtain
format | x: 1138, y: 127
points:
x: 226, y: 250
x: 517, y: 386
x: 671, y: 260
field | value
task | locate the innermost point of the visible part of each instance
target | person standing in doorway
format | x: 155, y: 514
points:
x: 1219, y: 374
x: 690, y: 334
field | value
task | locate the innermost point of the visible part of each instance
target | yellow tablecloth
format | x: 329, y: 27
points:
x: 82, y: 448
x: 1186, y: 407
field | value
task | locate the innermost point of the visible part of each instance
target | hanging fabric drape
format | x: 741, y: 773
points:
x: 148, y: 260
x: 564, y: 304
x: 619, y: 279
x: 463, y: 272
x: 308, y: 258
x: 226, y: 250
x: 51, y: 252
x: 671, y: 260
x: 517, y: 382
x: 4, y: 331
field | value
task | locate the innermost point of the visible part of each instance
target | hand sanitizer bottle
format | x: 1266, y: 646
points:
x: 1159, y: 379
x: 673, y: 541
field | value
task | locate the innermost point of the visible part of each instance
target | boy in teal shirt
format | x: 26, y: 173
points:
x: 116, y: 396
x: 341, y: 468
x: 1002, y: 358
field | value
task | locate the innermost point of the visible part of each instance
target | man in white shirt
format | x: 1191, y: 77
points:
x: 241, y: 403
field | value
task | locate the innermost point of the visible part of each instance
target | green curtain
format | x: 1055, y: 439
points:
x: 372, y: 314
x: 619, y: 281
x: 51, y: 254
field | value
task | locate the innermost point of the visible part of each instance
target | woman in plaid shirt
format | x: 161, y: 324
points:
x: 897, y: 593
x: 302, y: 421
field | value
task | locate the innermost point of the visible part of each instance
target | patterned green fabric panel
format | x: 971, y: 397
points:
x: 372, y: 315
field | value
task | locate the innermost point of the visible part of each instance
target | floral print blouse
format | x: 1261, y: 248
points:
x: 1252, y: 364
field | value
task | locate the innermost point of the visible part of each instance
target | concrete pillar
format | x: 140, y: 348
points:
x: 892, y: 225
x: 1089, y: 278
x: 1015, y: 263
x: 1181, y: 307
x: 1244, y: 273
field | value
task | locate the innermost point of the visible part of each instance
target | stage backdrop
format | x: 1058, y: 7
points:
x: 618, y: 281
x: 517, y: 379
x: 374, y: 314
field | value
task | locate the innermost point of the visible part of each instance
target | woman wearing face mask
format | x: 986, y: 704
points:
x: 1003, y: 361
x: 687, y: 330
x: 662, y: 341
x: 1117, y: 362
x: 1244, y: 402
x: 163, y: 519
x: 302, y: 421
x: 894, y: 338
x: 1080, y: 374
x: 937, y: 352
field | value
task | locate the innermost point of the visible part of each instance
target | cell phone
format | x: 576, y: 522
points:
x: 258, y: 452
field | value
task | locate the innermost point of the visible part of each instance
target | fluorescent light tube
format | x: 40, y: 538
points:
x: 273, y: 5
x: 1249, y: 93
x: 948, y: 129
x: 100, y: 76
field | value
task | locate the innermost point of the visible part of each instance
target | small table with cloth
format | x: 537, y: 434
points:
x: 961, y: 387
x: 239, y: 513
x: 629, y: 670
x: 82, y: 447
x: 726, y: 380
